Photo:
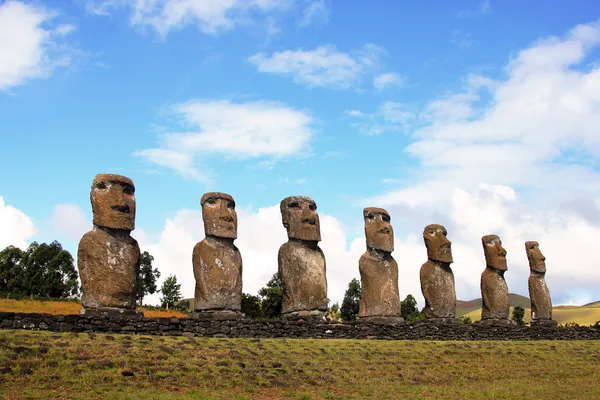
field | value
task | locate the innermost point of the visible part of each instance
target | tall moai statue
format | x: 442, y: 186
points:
x: 541, y: 304
x: 380, y: 299
x: 108, y: 257
x: 301, y: 261
x: 437, y: 278
x: 217, y: 261
x: 494, y: 291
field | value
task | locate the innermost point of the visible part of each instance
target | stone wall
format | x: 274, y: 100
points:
x: 287, y: 329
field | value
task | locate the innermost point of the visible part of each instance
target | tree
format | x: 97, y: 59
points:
x: 146, y: 278
x: 518, y: 314
x: 251, y: 306
x: 272, y: 297
x: 334, y: 312
x: 42, y: 270
x: 171, y: 292
x: 351, y: 303
x: 408, y: 308
x: 11, y: 270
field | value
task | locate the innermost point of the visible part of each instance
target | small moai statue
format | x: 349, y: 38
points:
x: 301, y: 261
x: 380, y: 299
x: 437, y: 278
x: 217, y: 261
x: 541, y: 303
x: 108, y: 257
x: 494, y: 291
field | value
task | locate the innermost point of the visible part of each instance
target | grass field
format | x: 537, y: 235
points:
x: 66, y: 307
x: 47, y: 365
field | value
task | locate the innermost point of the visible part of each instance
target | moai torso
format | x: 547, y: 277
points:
x: 302, y: 268
x: 108, y: 257
x: 378, y: 269
x: 108, y: 269
x: 216, y: 260
x: 437, y: 278
x: 379, y: 284
x: 541, y: 303
x: 494, y: 291
x: 301, y: 262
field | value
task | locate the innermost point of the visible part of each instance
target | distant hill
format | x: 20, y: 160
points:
x: 466, y: 307
x: 583, y: 315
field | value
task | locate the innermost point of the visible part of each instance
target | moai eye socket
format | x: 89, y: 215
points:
x: 128, y: 189
x: 294, y: 204
x: 385, y: 218
x: 211, y: 200
x: 312, y: 207
x: 231, y: 205
x: 101, y: 185
x: 371, y: 216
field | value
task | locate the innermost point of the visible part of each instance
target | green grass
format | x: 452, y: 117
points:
x: 46, y: 365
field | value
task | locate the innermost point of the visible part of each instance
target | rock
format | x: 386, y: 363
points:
x: 494, y: 291
x: 437, y: 278
x: 108, y: 257
x: 541, y: 303
x: 301, y: 261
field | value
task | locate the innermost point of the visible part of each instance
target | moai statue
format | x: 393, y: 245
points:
x: 217, y: 261
x: 437, y: 279
x: 108, y: 257
x: 541, y: 304
x: 301, y: 261
x: 494, y: 291
x: 379, y: 300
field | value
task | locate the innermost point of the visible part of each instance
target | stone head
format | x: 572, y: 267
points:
x: 537, y: 261
x: 113, y: 201
x: 495, y: 254
x: 378, y: 230
x: 218, y: 213
x: 300, y: 218
x: 437, y: 244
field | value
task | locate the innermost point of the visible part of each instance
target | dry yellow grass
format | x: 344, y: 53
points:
x: 583, y: 316
x: 67, y: 307
x: 48, y: 365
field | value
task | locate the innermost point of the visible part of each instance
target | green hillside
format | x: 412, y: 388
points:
x: 467, y: 307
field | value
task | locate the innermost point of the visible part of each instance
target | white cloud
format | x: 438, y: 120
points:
x: 315, y: 12
x: 389, y: 117
x: 211, y: 17
x: 16, y: 228
x: 388, y: 80
x: 235, y: 130
x: 70, y: 220
x: 323, y: 66
x: 533, y: 137
x: 484, y: 8
x: 30, y: 44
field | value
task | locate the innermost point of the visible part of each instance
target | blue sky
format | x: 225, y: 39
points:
x: 482, y: 116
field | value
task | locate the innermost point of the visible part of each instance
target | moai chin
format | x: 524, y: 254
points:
x: 494, y: 291
x: 380, y: 299
x: 541, y: 303
x: 108, y: 257
x: 437, y: 278
x: 217, y: 261
x: 301, y: 261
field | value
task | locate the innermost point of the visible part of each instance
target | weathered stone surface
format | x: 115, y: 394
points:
x: 378, y: 269
x: 216, y: 260
x: 541, y: 303
x: 494, y: 291
x: 111, y: 312
x: 361, y: 329
x: 301, y: 262
x: 437, y: 278
x: 216, y: 315
x: 302, y: 271
x: 108, y: 257
x: 300, y: 218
